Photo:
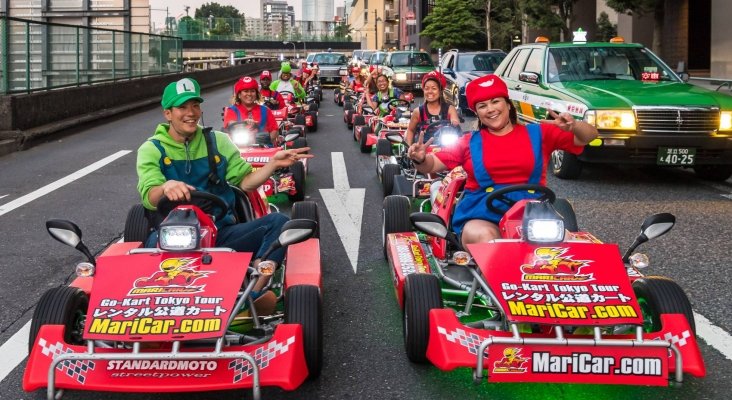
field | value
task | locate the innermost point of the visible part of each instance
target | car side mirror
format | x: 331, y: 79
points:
x: 529, y: 77
x: 684, y: 76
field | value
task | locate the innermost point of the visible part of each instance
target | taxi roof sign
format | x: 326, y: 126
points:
x: 580, y: 36
x: 541, y: 39
x: 617, y: 39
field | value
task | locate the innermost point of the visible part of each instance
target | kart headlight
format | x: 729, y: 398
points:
x: 461, y: 258
x: 400, y: 77
x: 266, y: 267
x: 241, y: 135
x: 84, y: 269
x: 542, y: 223
x: 449, y: 138
x: 725, y: 121
x: 639, y: 260
x: 611, y: 119
x: 178, y: 237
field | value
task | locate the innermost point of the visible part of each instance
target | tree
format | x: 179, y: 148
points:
x: 452, y: 24
x: 605, y: 30
x: 342, y: 31
x: 506, y: 17
x: 218, y: 11
x: 556, y: 17
x: 640, y: 8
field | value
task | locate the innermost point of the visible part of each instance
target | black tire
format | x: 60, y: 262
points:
x: 421, y: 294
x: 348, y: 106
x: 300, y: 119
x: 659, y: 295
x: 565, y: 209
x: 566, y: 165
x: 314, y: 116
x: 349, y: 119
x: 395, y: 217
x: 63, y: 305
x: 359, y: 120
x: 388, y: 173
x: 312, y: 107
x: 303, y: 306
x: 300, y: 143
x: 383, y: 147
x: 365, y: 148
x: 307, y: 210
x: 298, y: 175
x: 717, y: 173
x: 137, y: 225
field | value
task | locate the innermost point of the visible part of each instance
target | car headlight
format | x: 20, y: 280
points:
x: 400, y: 77
x: 611, y: 119
x: 725, y: 121
x: 178, y: 238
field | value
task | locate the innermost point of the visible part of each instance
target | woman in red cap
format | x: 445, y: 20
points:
x: 246, y: 108
x: 501, y: 153
x: 434, y: 108
x: 272, y: 98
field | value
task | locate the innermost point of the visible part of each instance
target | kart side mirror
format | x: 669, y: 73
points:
x: 294, y: 231
x: 69, y: 234
x: 654, y: 226
x: 433, y: 225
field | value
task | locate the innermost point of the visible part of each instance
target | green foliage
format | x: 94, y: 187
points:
x: 505, y: 22
x: 540, y: 15
x: 605, y: 30
x: 638, y: 7
x: 218, y: 11
x: 342, y: 31
x: 452, y: 24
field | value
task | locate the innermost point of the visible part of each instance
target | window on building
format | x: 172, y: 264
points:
x: 365, y: 17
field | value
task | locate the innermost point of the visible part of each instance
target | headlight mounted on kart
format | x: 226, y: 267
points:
x: 449, y: 138
x: 611, y: 119
x: 178, y: 238
x: 241, y: 135
x: 542, y: 223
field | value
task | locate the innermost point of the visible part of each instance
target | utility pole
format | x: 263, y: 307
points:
x: 376, y: 31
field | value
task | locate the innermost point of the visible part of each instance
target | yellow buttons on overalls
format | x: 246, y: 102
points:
x: 217, y: 158
x: 167, y: 161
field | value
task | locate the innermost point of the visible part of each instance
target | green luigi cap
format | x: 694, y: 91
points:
x: 286, y: 68
x: 177, y: 93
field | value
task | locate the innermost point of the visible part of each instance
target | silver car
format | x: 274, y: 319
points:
x: 332, y: 67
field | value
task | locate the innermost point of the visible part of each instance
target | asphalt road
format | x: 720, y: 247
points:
x: 363, y: 354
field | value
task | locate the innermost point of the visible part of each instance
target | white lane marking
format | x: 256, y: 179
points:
x: 8, y: 207
x: 5, y: 195
x: 14, y: 351
x: 714, y: 335
x: 345, y: 206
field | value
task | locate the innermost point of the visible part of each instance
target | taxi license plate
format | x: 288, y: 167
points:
x: 676, y: 156
x: 418, y: 86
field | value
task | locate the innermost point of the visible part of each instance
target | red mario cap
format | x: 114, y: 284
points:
x: 265, y: 75
x: 306, y: 70
x: 374, y: 67
x: 485, y: 88
x: 435, y: 76
x: 244, y: 84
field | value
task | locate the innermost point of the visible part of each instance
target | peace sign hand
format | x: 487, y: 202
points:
x: 417, y: 152
x: 565, y: 121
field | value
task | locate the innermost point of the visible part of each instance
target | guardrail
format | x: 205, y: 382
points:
x: 202, y: 65
x: 715, y: 81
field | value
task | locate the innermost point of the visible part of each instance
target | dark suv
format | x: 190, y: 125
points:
x: 406, y: 68
x: 330, y: 65
x: 462, y: 67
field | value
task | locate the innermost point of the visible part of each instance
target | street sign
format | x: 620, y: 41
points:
x: 411, y: 20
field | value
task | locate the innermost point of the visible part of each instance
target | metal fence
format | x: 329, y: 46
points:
x: 37, y: 55
x: 242, y: 29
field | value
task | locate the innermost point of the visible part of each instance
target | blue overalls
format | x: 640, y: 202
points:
x: 262, y: 136
x: 472, y: 204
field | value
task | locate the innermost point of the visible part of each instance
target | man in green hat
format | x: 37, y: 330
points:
x: 175, y: 162
x: 286, y: 84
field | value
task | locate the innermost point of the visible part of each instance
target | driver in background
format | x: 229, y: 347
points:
x: 246, y: 108
x: 174, y: 162
x: 385, y: 93
x: 434, y: 108
x: 500, y: 153
x: 286, y: 84
x: 271, y: 98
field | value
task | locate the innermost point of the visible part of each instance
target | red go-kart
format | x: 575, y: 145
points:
x: 544, y: 303
x: 395, y: 122
x: 299, y: 114
x: 180, y: 317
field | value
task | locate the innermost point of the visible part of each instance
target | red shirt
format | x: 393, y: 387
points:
x: 508, y: 159
x: 256, y: 110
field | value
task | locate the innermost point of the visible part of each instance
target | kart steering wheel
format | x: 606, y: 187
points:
x: 500, y: 195
x: 395, y: 103
x: 207, y: 202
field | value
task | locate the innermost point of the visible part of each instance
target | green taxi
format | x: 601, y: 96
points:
x: 644, y: 111
x: 406, y: 68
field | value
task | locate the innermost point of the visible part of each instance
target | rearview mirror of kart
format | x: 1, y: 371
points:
x: 653, y: 227
x: 292, y: 136
x: 430, y: 224
x: 69, y: 234
x: 296, y: 231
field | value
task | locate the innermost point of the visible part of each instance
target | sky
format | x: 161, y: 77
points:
x: 249, y: 7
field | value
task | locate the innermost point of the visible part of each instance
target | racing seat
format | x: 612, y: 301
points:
x: 243, y: 210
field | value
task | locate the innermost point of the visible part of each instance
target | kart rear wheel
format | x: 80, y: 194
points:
x: 314, y: 116
x: 348, y: 119
x: 312, y: 107
x: 383, y: 148
x: 388, y: 173
x: 565, y: 209
x: 300, y: 120
x: 137, y: 225
x: 303, y: 306
x: 363, y: 146
x: 395, y: 217
x: 298, y: 176
x: 299, y: 143
x: 359, y: 120
x: 658, y: 295
x: 64, y: 305
x: 421, y: 294
x: 306, y: 210
x: 565, y: 165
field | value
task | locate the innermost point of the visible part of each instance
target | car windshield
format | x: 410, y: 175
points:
x: 366, y: 55
x: 411, y: 59
x: 487, y: 62
x: 570, y: 64
x: 377, y: 58
x: 310, y: 58
x: 330, y: 59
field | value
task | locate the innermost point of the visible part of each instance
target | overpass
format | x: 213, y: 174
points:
x: 204, y: 49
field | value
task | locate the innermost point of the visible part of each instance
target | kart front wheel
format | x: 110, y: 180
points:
x: 298, y: 176
x: 566, y: 165
x: 421, y: 294
x: 388, y: 173
x: 137, y: 225
x: 659, y: 295
x: 300, y: 120
x: 314, y: 117
x: 303, y: 306
x: 64, y: 305
x: 363, y: 140
x: 383, y: 148
x: 307, y: 210
x: 396, y: 217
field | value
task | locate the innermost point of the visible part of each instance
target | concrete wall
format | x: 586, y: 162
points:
x: 28, y: 117
x: 721, y: 63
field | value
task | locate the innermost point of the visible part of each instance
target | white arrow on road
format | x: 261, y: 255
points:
x: 345, y: 206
